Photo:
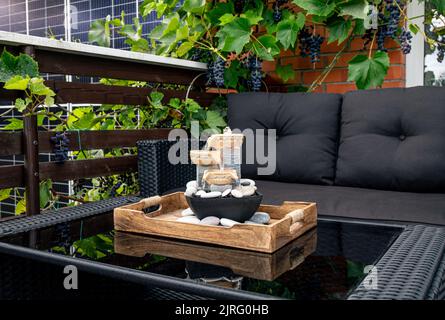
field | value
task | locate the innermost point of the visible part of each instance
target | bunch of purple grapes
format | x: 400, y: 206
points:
x: 405, y: 41
x: 440, y: 51
x: 61, y: 142
x: 393, y: 8
x: 255, y: 66
x: 217, y: 72
x: 310, y: 44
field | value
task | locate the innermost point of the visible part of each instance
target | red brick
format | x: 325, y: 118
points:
x: 340, y: 87
x: 393, y: 84
x: 396, y: 57
x: 269, y: 66
x: 301, y: 63
x: 395, y: 73
x: 335, y: 75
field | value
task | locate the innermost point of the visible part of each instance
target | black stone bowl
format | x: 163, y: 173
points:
x: 238, y: 209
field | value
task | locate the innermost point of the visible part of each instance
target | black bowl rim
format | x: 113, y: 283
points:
x: 255, y: 195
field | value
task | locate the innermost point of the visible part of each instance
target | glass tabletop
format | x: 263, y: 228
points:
x: 327, y: 262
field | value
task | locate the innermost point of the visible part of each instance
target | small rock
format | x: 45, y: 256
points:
x: 211, y: 194
x: 189, y: 219
x: 212, y: 221
x: 228, y: 223
x: 248, y: 191
x: 222, y: 188
x: 247, y: 182
x: 190, y: 191
x: 236, y: 193
x: 187, y: 212
x: 199, y: 193
x: 226, y: 192
x: 192, y: 183
x: 251, y: 222
x: 260, y: 217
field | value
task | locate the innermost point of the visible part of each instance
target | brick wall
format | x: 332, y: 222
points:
x: 336, y: 80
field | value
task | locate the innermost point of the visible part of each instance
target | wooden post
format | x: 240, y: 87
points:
x: 31, y: 150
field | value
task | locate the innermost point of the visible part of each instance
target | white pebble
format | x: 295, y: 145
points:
x: 237, y: 193
x: 190, y: 191
x: 248, y: 191
x: 222, y: 188
x: 226, y: 192
x: 192, y: 183
x: 260, y: 217
x: 189, y: 219
x: 211, y: 220
x: 187, y: 212
x: 228, y: 223
x: 200, y: 193
x: 212, y: 194
x: 247, y: 182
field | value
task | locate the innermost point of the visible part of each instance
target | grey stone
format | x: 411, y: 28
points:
x: 237, y: 193
x: 226, y: 192
x: 189, y: 219
x: 260, y: 217
x: 212, y: 221
x: 190, y: 191
x: 187, y: 212
x: 228, y: 223
x: 211, y: 194
x: 192, y: 183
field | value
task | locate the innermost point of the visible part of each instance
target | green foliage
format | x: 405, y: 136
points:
x: 368, y: 71
x: 285, y: 72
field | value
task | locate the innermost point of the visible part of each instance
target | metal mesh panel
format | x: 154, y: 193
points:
x: 53, y: 217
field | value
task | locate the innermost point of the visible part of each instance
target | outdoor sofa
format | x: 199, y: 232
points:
x: 369, y: 155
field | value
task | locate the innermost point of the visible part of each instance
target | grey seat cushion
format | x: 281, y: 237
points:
x: 360, y: 203
x: 393, y: 139
x: 307, y: 129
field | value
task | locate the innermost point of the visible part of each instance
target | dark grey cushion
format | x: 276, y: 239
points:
x: 360, y: 203
x: 393, y: 139
x: 307, y: 132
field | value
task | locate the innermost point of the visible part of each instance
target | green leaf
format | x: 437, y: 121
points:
x: 17, y: 83
x: 214, y: 119
x: 285, y: 72
x: 45, y: 193
x: 14, y: 124
x: 4, y: 194
x: 20, y: 207
x: 368, y: 72
x: 359, y: 27
x: 316, y: 7
x: 100, y: 32
x: 287, y: 32
x: 20, y: 104
x: 156, y: 97
x: 439, y: 5
x: 182, y: 32
x: 27, y: 66
x: 38, y: 87
x: 184, y: 48
x: 339, y: 30
x: 414, y: 28
x: 355, y: 8
x: 218, y: 11
x: 266, y: 48
x: 253, y: 16
x: 194, y: 6
x: 226, y: 18
x: 234, y: 35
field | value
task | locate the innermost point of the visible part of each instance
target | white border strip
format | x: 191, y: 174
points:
x: 16, y: 39
x: 415, y: 60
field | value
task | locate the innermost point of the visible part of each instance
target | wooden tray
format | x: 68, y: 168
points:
x: 288, y: 221
x: 256, y: 265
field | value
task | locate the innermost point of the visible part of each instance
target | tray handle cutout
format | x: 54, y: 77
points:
x: 297, y: 217
x: 151, y: 202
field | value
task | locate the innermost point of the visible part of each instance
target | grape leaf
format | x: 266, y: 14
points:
x: 100, y: 32
x: 355, y: 8
x: 218, y: 11
x: 368, y: 72
x: 285, y: 72
x: 316, y: 7
x: 4, y: 194
x: 45, y: 193
x: 194, y: 6
x: 287, y: 32
x: 214, y: 119
x: 234, y: 35
x: 14, y: 124
x: 17, y: 83
x: 339, y: 30
x: 20, y: 207
x: 266, y: 47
